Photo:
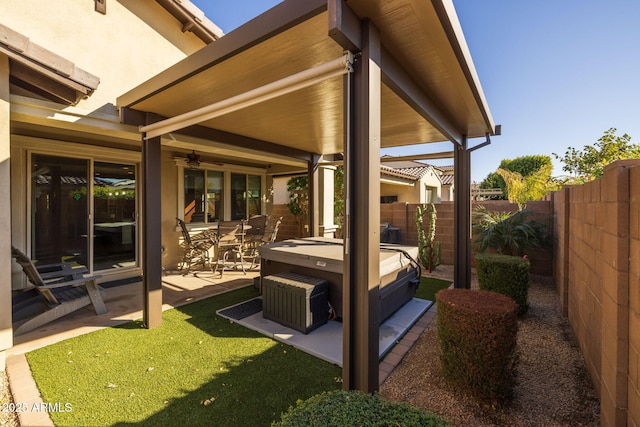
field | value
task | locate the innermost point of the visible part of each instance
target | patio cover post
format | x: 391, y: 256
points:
x: 151, y: 232
x: 313, y: 172
x: 462, y: 216
x: 361, y: 313
x: 6, y: 331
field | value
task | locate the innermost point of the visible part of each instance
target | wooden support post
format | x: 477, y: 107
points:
x: 314, y: 196
x: 151, y: 232
x: 361, y: 313
x: 462, y: 216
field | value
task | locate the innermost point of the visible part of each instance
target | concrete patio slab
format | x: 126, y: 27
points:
x: 325, y: 342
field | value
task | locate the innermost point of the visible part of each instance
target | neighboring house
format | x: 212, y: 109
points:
x: 415, y: 182
x: 400, y: 181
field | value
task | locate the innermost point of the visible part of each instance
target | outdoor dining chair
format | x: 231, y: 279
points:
x: 251, y: 253
x: 229, y: 246
x: 196, y: 248
x: 258, y: 225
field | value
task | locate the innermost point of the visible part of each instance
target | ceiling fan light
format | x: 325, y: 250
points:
x: 193, y: 160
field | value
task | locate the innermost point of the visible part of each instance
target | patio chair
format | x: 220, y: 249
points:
x: 229, y: 246
x: 257, y: 228
x: 57, y: 290
x: 196, y: 248
x: 251, y: 252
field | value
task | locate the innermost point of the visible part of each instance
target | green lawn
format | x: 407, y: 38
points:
x: 195, y: 369
x: 429, y: 286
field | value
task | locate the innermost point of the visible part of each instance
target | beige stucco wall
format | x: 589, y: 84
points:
x: 405, y: 193
x: 447, y: 193
x: 415, y: 193
x: 170, y: 235
x: 131, y: 43
x: 134, y: 41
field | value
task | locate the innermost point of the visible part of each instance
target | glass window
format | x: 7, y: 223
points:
x: 246, y: 192
x: 205, y: 198
x: 194, y: 191
x: 215, y: 191
x: 254, y: 196
x: 238, y: 196
x: 431, y: 195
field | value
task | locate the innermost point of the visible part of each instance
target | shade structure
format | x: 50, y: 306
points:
x: 413, y: 83
x: 423, y: 39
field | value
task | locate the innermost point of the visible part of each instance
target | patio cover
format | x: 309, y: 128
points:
x: 412, y: 82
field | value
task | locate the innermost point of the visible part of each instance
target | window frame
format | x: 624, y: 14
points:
x: 227, y: 170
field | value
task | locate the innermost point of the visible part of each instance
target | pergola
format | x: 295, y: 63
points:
x: 315, y: 77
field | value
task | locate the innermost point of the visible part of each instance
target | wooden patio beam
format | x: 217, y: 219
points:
x: 344, y: 26
x: 345, y: 29
x: 134, y: 117
x: 396, y: 78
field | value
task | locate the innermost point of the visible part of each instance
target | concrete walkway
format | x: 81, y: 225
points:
x: 125, y: 304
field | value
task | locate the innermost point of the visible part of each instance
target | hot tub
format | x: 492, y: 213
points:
x: 323, y: 257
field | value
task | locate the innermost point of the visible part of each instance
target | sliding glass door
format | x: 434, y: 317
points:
x: 61, y: 199
x: 59, y: 209
x: 114, y: 212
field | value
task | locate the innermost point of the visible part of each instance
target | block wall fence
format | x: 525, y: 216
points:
x: 402, y: 215
x: 597, y: 274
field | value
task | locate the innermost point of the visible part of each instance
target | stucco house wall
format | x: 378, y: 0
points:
x: 129, y: 44
x: 133, y: 41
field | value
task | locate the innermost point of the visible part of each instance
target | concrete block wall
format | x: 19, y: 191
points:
x: 596, y: 271
x: 633, y: 387
x: 289, y: 227
x: 402, y: 215
x: 561, y: 209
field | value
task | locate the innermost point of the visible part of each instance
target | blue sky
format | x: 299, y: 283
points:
x: 556, y: 73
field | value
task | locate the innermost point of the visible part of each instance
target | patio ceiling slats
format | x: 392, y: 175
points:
x: 284, y: 86
x: 428, y: 94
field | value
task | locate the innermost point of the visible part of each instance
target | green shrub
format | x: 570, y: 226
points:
x: 344, y: 408
x: 507, y: 275
x: 509, y: 233
x: 477, y: 332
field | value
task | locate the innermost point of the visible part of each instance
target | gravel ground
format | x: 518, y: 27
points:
x: 554, y: 388
x: 7, y: 418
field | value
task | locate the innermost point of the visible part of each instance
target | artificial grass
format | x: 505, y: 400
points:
x: 195, y: 369
x: 429, y: 286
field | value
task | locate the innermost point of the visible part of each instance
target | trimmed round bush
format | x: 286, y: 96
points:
x: 505, y: 274
x: 354, y: 408
x: 477, y: 332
